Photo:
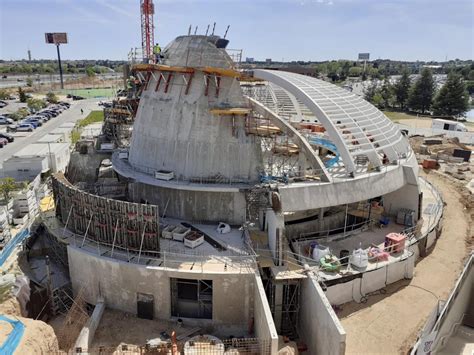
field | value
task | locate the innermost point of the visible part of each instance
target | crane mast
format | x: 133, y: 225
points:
x: 147, y: 10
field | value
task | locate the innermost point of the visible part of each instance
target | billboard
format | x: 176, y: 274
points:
x: 56, y: 37
x: 364, y: 56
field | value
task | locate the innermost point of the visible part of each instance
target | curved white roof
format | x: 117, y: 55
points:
x: 354, y: 125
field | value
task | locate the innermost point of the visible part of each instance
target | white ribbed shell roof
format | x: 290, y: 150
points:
x: 355, y: 126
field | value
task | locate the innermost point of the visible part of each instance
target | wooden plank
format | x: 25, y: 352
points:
x: 230, y: 111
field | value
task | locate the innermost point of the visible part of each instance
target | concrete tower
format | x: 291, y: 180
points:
x: 174, y: 129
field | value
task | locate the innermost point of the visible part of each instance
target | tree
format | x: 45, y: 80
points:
x: 51, y: 98
x: 20, y: 114
x: 421, y: 94
x: 35, y: 104
x: 7, y: 185
x: 402, y: 89
x: 355, y: 71
x: 4, y: 95
x: 453, y: 98
x: 21, y: 95
x: 370, y: 91
x: 29, y: 82
x: 90, y: 72
x: 386, y: 93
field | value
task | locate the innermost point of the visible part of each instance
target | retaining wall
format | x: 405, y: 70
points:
x: 319, y: 325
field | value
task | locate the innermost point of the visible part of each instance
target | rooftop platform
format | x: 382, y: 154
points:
x: 371, y: 234
x: 173, y: 254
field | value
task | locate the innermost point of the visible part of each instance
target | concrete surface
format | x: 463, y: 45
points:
x: 175, y: 131
x: 319, y: 326
x: 119, y: 282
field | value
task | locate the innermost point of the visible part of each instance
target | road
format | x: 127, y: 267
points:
x: 24, y: 138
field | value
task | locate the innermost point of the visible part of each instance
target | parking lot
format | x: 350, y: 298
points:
x: 23, y: 139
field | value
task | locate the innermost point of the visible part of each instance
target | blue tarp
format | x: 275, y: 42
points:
x: 17, y: 239
x: 328, y: 145
x: 9, y: 346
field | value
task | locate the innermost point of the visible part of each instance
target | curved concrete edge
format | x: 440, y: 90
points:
x: 301, y: 197
x: 273, y: 77
x: 296, y: 136
x: 124, y: 169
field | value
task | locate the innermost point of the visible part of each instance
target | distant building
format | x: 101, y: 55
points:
x: 250, y: 59
x: 268, y: 60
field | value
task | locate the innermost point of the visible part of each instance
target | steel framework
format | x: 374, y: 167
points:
x: 147, y: 10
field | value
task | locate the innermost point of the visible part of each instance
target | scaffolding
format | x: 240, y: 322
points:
x: 128, y: 225
x: 76, y: 318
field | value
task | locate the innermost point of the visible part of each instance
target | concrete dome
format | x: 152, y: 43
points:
x: 174, y: 129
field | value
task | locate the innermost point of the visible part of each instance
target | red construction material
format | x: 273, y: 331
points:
x: 147, y: 10
x: 395, y: 242
x: 429, y: 164
x: 318, y: 129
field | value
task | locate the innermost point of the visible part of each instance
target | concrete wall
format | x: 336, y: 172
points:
x: 330, y: 222
x: 406, y: 197
x: 206, y: 206
x: 371, y: 281
x: 175, y: 131
x: 273, y: 222
x: 461, y: 302
x: 118, y: 283
x: 264, y: 327
x: 319, y: 326
x: 298, y: 197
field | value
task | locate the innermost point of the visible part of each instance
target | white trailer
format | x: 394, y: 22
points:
x: 447, y: 125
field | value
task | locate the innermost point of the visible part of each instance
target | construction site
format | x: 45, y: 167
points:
x: 232, y: 211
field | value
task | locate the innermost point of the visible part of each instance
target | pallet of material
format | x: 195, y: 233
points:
x: 193, y: 240
x: 168, y: 232
x: 180, y: 232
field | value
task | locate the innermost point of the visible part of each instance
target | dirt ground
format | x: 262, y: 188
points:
x: 38, y: 338
x: 426, y: 123
x: 389, y: 323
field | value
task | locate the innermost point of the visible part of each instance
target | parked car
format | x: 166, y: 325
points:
x: 45, y: 114
x: 51, y: 112
x: 37, y: 117
x: 3, y: 103
x: 5, y: 120
x: 76, y: 97
x: 22, y: 127
x: 8, y: 137
x: 34, y: 123
x: 65, y: 104
x: 58, y: 108
x: 3, y: 142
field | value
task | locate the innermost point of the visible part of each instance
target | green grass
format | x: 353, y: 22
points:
x: 93, y: 117
x: 75, y: 136
x: 91, y: 93
x: 397, y: 116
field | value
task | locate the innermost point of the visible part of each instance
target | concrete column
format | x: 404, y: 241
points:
x: 320, y: 218
x: 278, y: 305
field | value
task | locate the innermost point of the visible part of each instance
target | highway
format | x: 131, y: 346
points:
x: 24, y: 138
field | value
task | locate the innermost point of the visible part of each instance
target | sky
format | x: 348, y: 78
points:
x: 286, y: 30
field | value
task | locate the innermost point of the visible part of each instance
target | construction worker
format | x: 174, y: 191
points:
x: 157, y: 52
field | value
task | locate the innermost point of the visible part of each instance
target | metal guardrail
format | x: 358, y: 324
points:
x: 166, y: 259
x: 337, y: 172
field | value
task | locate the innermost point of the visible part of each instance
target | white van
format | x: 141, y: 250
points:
x: 447, y: 125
